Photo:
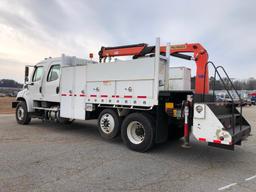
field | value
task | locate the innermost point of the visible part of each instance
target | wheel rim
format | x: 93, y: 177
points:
x: 136, y: 132
x: 107, y: 123
x: 20, y: 113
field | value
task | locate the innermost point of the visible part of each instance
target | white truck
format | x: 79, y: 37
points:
x: 136, y: 98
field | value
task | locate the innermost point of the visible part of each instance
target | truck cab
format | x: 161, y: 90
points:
x: 45, y: 81
x: 43, y: 84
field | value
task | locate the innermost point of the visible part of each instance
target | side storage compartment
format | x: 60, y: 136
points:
x: 107, y: 91
x: 143, y: 92
x: 72, y: 86
x: 93, y: 92
x: 79, y: 92
x: 124, y: 90
x: 127, y: 83
x: 179, y: 79
x: 66, y: 88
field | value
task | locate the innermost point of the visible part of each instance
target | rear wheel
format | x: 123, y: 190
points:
x: 22, y: 115
x: 138, y: 131
x: 109, y: 124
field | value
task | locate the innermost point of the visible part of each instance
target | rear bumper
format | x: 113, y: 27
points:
x: 236, y: 139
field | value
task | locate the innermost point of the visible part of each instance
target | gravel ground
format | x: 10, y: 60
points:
x: 6, y: 105
x: 52, y: 157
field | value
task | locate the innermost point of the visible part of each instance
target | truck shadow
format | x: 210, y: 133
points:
x: 202, y: 153
x: 79, y: 128
x: 172, y: 150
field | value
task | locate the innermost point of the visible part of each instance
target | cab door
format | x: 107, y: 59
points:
x: 51, y: 89
x: 35, y: 87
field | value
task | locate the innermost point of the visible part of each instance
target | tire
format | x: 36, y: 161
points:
x: 109, y: 124
x: 138, y: 131
x: 22, y: 115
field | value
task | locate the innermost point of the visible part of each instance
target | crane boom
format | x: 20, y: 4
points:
x: 200, y: 56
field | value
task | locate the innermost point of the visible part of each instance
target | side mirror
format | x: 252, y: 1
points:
x: 26, y: 73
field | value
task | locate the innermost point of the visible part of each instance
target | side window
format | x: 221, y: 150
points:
x: 38, y: 74
x: 54, y: 73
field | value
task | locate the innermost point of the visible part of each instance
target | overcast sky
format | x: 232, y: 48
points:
x: 31, y: 30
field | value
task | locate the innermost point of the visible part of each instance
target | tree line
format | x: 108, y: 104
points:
x: 249, y: 84
x: 10, y: 83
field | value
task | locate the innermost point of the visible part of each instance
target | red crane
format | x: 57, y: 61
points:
x: 200, y: 56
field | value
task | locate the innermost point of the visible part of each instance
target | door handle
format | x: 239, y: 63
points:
x: 57, y: 90
x: 40, y: 89
x: 96, y: 89
x: 128, y: 89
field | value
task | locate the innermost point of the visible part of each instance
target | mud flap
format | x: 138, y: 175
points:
x: 14, y: 104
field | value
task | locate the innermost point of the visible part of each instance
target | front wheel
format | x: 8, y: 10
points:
x: 22, y: 115
x: 138, y: 130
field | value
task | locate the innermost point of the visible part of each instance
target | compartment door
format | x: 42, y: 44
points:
x: 124, y: 90
x: 66, y: 101
x: 107, y: 91
x: 93, y: 92
x: 79, y: 92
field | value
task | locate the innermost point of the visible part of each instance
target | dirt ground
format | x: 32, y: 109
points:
x: 6, y: 105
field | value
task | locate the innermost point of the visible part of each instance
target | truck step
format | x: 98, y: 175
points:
x: 229, y: 120
x: 239, y: 133
x: 237, y: 128
x: 227, y: 116
x: 46, y: 109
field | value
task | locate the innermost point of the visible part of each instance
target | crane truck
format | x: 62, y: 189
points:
x: 140, y: 98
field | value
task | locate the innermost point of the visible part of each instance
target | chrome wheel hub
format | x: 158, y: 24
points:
x: 20, y: 113
x: 136, y: 132
x: 107, y: 123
